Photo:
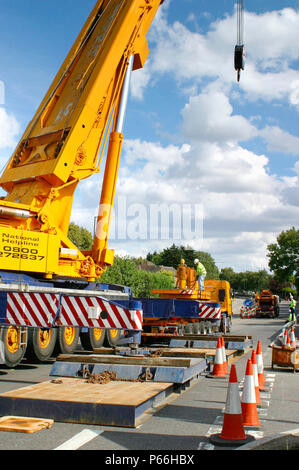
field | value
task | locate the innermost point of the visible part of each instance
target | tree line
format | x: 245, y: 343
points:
x: 283, y: 263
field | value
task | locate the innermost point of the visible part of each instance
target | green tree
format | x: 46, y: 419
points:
x: 229, y: 275
x: 125, y: 272
x: 80, y: 236
x: 247, y: 280
x: 284, y: 257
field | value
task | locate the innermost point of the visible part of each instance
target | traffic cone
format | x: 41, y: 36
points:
x: 288, y: 342
x: 218, y: 368
x: 256, y: 380
x: 293, y: 338
x: 224, y: 356
x: 260, y: 366
x: 232, y: 433
x: 248, y: 400
x: 285, y: 340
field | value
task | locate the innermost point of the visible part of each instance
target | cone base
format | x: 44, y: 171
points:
x: 219, y: 441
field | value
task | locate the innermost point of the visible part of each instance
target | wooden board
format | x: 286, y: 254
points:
x: 128, y: 360
x: 78, y: 390
x: 207, y: 337
x: 24, y: 424
x: 176, y: 352
x: 76, y: 401
x: 165, y: 352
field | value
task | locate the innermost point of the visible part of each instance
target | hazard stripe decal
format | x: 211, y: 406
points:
x: 74, y: 311
x: 40, y: 310
x: 209, y: 312
x: 37, y: 310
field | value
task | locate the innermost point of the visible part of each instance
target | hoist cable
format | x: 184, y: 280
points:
x: 240, y: 22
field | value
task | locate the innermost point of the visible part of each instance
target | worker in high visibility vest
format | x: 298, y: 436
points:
x: 200, y: 273
x: 292, y: 306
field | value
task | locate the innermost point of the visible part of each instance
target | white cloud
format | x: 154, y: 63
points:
x: 9, y: 129
x: 209, y: 117
x: 280, y: 141
x: 140, y: 80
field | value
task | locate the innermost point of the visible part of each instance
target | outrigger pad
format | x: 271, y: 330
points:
x: 23, y: 424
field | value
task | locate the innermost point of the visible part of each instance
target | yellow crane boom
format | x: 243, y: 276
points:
x: 65, y: 142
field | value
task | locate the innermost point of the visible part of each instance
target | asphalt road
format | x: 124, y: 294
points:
x: 182, y: 425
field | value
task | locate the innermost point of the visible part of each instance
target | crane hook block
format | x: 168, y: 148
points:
x: 239, y: 59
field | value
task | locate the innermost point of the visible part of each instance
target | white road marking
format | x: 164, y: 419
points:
x: 205, y: 446
x: 256, y: 434
x: 79, y: 440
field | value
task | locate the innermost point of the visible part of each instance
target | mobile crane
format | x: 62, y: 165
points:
x: 49, y: 292
x: 63, y: 145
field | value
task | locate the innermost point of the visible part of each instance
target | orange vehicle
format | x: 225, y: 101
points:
x: 267, y: 304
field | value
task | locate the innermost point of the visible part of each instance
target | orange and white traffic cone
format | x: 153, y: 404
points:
x: 248, y: 400
x: 285, y: 340
x: 218, y: 367
x: 224, y: 356
x: 232, y: 433
x: 260, y: 367
x: 288, y: 342
x: 256, y: 380
x: 293, y: 338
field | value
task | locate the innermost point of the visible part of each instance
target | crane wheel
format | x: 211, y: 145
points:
x: 41, y: 344
x: 93, y: 339
x: 112, y: 337
x: 67, y: 339
x: 14, y: 340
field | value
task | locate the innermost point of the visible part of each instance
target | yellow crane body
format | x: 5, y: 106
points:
x: 65, y: 143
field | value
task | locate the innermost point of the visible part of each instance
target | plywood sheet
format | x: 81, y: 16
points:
x: 78, y: 390
x: 24, y: 424
x: 72, y: 400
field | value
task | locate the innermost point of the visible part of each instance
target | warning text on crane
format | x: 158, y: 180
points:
x: 22, y: 250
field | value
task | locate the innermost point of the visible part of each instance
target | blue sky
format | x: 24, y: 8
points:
x: 193, y: 135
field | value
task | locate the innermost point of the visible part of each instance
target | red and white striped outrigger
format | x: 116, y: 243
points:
x: 46, y: 310
x: 208, y: 311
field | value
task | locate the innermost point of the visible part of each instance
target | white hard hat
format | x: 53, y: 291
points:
x: 196, y: 261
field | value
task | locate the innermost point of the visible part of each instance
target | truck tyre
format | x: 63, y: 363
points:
x: 188, y: 329
x: 67, y: 339
x: 93, y: 339
x: 12, y: 349
x: 41, y: 344
x: 112, y: 337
